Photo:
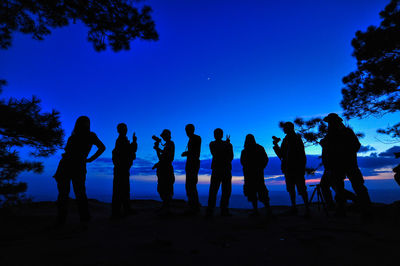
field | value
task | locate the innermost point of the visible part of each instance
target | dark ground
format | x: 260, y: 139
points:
x: 147, y: 239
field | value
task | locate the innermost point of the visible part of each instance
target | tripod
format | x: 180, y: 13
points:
x: 320, y: 198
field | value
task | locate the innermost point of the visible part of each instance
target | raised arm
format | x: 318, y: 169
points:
x: 134, y: 147
x: 134, y: 143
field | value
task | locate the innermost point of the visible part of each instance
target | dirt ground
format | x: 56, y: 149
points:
x: 27, y: 238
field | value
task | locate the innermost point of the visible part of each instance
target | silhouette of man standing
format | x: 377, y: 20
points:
x: 221, y: 165
x: 342, y: 146
x: 293, y: 165
x: 254, y: 159
x: 192, y: 168
x: 165, y: 170
x: 123, y: 155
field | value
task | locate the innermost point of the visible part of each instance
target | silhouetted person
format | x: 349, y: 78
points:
x: 293, y: 165
x: 123, y: 155
x: 192, y: 168
x: 72, y: 167
x: 342, y: 147
x: 165, y: 170
x: 327, y: 182
x: 254, y: 159
x: 221, y: 165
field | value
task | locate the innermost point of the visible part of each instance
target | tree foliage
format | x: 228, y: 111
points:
x: 312, y: 130
x: 113, y: 23
x: 374, y: 88
x: 24, y: 125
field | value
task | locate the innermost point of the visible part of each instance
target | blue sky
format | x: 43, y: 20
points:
x: 239, y: 65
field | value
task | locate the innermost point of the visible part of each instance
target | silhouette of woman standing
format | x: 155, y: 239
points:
x: 254, y: 159
x: 72, y: 167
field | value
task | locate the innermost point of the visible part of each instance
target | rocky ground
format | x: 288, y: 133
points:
x: 27, y: 238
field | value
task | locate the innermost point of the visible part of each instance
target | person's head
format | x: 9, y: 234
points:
x: 122, y: 129
x: 189, y: 130
x: 82, y: 125
x: 166, y: 135
x: 334, y: 121
x: 288, y: 128
x: 249, y: 141
x: 218, y: 134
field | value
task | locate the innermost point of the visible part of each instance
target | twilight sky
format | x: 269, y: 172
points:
x: 239, y: 65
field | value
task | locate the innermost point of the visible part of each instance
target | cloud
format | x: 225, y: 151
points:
x: 365, y: 149
x: 373, y: 165
x: 390, y: 152
x: 144, y: 167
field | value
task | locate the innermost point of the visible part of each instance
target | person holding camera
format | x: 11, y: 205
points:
x: 165, y: 170
x: 221, y: 165
x: 293, y: 165
x: 122, y: 156
x: 254, y: 159
x: 192, y: 169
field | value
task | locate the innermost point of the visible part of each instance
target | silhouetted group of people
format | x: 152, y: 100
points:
x: 339, y: 157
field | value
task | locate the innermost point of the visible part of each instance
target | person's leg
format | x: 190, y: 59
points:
x: 255, y: 207
x: 166, y: 187
x: 212, y: 194
x: 160, y: 190
x: 196, y: 202
x: 125, y: 192
x: 338, y: 186
x: 163, y: 190
x: 250, y: 192
x: 302, y: 189
x: 162, y: 187
x: 357, y: 182
x: 348, y: 195
x: 326, y: 190
x: 263, y: 196
x: 191, y: 187
x: 63, y: 186
x: 116, y: 197
x: 78, y: 184
x: 226, y: 193
x: 290, y: 188
x: 170, y: 187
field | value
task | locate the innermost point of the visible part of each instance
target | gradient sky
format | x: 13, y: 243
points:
x: 239, y: 65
